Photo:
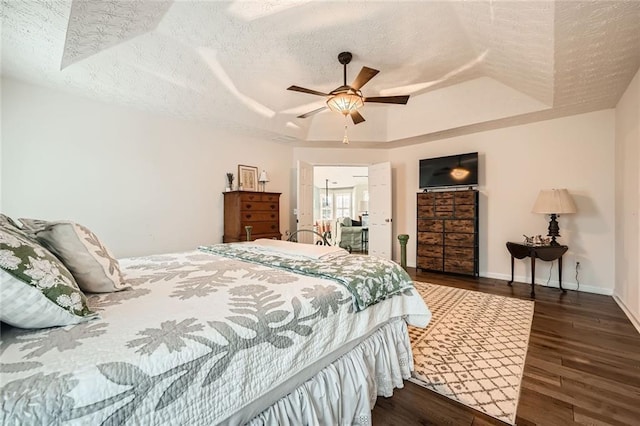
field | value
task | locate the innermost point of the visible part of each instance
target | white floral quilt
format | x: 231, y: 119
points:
x: 196, y: 339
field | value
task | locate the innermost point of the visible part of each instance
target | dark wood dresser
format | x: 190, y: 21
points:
x: 448, y: 232
x: 261, y: 210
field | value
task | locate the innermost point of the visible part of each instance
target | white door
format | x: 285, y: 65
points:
x: 380, y: 232
x: 304, y: 211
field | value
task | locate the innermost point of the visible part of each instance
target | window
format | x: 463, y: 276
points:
x: 343, y: 204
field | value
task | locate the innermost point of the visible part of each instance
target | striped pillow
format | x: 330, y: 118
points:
x: 36, y: 290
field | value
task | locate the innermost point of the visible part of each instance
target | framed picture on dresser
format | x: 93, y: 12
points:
x: 247, y: 178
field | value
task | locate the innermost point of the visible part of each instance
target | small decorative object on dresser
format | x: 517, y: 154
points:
x: 247, y: 178
x: 260, y: 210
x: 229, y: 182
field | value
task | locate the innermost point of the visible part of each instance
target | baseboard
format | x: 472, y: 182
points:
x: 627, y: 312
x: 552, y: 283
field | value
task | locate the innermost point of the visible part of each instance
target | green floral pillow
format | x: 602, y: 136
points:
x: 36, y: 289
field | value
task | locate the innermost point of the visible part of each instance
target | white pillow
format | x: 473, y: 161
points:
x: 36, y: 290
x: 288, y: 248
x: 91, y: 263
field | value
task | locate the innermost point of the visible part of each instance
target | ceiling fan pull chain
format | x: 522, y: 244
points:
x: 345, y: 139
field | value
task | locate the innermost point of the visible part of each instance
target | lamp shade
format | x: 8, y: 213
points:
x: 364, y: 205
x: 263, y: 177
x: 554, y: 201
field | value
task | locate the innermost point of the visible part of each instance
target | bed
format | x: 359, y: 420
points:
x: 227, y: 334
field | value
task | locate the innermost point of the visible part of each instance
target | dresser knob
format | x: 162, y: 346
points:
x: 248, y: 216
x: 248, y: 206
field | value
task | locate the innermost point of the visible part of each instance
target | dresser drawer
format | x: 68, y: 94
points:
x: 429, y: 238
x: 465, y: 211
x: 459, y: 225
x: 246, y: 206
x: 258, y: 196
x: 433, y: 263
x: 445, y: 195
x: 444, y: 202
x: 263, y: 227
x: 426, y: 199
x: 430, y: 250
x: 427, y: 225
x: 461, y: 253
x: 258, y: 216
x: 459, y: 266
x: 444, y: 212
x: 427, y: 211
x: 465, y: 197
x: 460, y: 240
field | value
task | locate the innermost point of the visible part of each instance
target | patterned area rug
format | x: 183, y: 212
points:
x: 473, y: 350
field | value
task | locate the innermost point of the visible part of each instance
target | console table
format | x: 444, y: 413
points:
x: 546, y: 253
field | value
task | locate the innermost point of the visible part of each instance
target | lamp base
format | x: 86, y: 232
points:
x: 554, y: 230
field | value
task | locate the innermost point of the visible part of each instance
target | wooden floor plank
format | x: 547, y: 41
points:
x: 582, y: 365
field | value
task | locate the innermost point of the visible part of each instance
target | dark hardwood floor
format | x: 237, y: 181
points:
x: 582, y: 366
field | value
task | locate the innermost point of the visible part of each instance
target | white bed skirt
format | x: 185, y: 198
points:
x: 345, y: 392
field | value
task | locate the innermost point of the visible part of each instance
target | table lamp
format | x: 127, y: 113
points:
x: 364, y: 206
x: 554, y: 202
x: 263, y: 179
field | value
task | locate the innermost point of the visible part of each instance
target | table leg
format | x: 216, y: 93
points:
x: 511, y: 282
x: 560, y: 274
x: 533, y: 275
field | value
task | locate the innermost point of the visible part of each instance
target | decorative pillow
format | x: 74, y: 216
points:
x: 89, y: 260
x: 7, y: 222
x: 36, y: 290
x: 346, y: 221
x: 356, y: 223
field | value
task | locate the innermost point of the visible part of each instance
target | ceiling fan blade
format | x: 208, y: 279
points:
x: 388, y: 99
x: 310, y: 113
x: 363, y: 78
x: 356, y: 117
x: 303, y: 90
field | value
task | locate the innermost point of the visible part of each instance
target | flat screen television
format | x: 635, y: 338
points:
x: 453, y: 170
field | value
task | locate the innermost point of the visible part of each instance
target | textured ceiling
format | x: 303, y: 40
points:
x: 229, y: 63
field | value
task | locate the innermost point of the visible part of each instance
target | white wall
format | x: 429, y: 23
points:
x: 142, y: 182
x: 576, y: 153
x: 627, y: 288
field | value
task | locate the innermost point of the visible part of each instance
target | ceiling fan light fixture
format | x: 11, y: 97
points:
x: 345, y: 103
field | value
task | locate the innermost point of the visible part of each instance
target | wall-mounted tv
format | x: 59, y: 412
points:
x: 453, y: 170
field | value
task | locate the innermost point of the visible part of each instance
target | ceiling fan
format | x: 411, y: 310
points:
x: 348, y: 99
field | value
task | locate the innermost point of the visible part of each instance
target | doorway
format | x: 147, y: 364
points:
x: 341, y: 205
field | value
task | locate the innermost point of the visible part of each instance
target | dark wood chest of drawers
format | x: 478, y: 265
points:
x: 448, y: 232
x: 260, y: 210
